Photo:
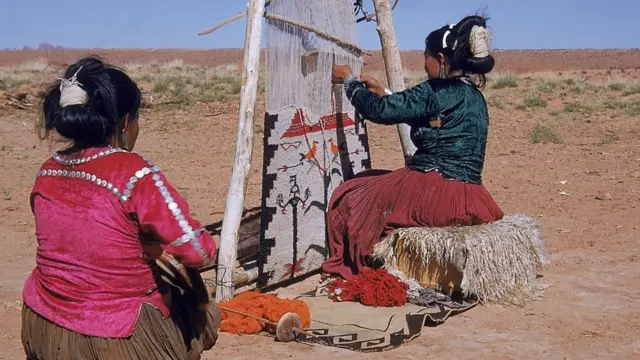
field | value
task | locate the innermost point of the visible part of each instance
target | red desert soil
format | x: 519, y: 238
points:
x: 585, y: 191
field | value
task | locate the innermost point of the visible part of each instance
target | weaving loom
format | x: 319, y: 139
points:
x: 312, y: 141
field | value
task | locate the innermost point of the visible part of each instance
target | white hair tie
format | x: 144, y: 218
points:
x: 446, y: 34
x: 479, y: 41
x: 71, y: 92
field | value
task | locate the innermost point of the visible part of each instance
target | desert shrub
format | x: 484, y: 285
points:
x: 633, y: 108
x: 505, y: 81
x: 617, y: 86
x: 632, y: 89
x: 576, y: 108
x: 534, y: 102
x: 614, y: 104
x: 544, y: 134
x: 547, y: 85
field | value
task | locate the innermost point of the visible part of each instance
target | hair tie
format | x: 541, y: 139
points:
x: 479, y: 41
x: 446, y: 34
x: 71, y: 92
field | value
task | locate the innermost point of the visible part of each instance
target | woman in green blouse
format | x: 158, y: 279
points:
x: 442, y: 185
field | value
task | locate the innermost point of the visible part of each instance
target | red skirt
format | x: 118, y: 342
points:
x: 365, y: 210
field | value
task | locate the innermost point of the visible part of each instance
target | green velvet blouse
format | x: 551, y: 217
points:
x: 456, y: 149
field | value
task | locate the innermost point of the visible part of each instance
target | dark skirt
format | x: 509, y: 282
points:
x: 365, y: 210
x: 188, y: 332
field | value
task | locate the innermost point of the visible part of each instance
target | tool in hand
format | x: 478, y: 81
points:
x: 287, y: 327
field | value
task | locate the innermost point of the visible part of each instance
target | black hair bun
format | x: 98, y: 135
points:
x: 474, y: 65
x: 472, y: 46
x: 93, y: 121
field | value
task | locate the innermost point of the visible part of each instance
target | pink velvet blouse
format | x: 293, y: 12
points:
x: 90, y: 211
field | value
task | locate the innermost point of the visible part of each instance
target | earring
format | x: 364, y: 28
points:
x: 124, y: 141
x: 441, y: 74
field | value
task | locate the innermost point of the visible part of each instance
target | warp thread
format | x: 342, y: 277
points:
x: 375, y: 288
x: 265, y: 306
x: 295, y: 28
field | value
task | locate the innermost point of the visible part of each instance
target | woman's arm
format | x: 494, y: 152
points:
x: 417, y: 103
x: 162, y: 212
x: 374, y: 85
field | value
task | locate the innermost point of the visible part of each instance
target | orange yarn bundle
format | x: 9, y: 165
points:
x: 265, y: 306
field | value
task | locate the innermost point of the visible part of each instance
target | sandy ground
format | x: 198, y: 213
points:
x: 585, y: 192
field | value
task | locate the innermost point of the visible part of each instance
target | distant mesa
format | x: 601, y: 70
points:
x: 44, y: 47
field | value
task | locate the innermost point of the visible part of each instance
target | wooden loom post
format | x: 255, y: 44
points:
x: 393, y: 65
x: 244, y: 149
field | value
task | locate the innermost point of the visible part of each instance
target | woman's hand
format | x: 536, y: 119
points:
x: 373, y: 85
x: 370, y: 82
x: 339, y: 73
x: 151, y: 251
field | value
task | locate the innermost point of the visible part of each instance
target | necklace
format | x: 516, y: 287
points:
x: 78, y: 161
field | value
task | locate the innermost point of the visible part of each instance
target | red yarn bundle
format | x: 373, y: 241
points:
x: 375, y: 288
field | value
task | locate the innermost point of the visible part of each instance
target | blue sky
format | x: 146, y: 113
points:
x: 516, y: 24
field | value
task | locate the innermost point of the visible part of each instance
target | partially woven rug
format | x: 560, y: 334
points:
x: 498, y: 262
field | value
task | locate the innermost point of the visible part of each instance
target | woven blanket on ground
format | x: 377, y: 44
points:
x: 356, y: 327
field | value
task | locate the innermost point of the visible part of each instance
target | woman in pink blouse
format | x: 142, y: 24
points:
x: 103, y: 215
